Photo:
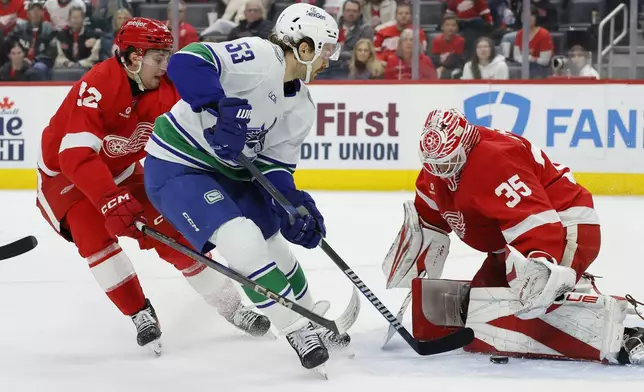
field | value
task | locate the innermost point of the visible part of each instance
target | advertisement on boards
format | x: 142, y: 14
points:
x: 24, y: 113
x: 591, y: 128
x: 595, y: 128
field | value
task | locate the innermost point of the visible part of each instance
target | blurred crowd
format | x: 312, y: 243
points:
x: 60, y: 40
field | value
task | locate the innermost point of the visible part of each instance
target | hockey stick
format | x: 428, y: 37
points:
x: 450, y: 342
x: 18, y: 247
x: 339, y: 326
x: 401, y: 313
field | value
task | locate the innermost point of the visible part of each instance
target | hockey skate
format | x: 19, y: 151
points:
x: 148, y: 329
x: 310, y: 348
x: 333, y: 341
x: 632, y: 351
x: 251, y: 322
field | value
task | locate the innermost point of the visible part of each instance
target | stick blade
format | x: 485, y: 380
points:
x: 350, y: 314
x: 451, y: 342
x: 18, y: 247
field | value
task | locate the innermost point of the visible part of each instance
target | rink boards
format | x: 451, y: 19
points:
x: 365, y: 136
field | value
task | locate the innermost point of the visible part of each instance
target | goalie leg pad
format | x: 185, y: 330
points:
x: 437, y: 307
x: 581, y: 326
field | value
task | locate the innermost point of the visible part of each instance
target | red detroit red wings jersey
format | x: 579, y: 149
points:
x: 100, y: 130
x: 509, y: 193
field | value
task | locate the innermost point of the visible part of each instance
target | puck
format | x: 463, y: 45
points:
x: 499, y: 359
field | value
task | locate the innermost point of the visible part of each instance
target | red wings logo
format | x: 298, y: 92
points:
x: 456, y: 222
x: 119, y: 146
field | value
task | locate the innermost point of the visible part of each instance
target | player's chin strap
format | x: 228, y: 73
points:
x: 135, y: 74
x: 629, y: 298
x: 309, y: 64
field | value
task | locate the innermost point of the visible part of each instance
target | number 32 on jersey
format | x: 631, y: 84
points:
x: 513, y: 189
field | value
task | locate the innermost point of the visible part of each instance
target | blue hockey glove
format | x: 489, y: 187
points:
x: 306, y: 231
x: 228, y: 137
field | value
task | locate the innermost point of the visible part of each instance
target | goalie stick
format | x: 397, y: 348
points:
x: 401, y: 313
x: 450, y: 342
x: 18, y: 247
x: 339, y: 326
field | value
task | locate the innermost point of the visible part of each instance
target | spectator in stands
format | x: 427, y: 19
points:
x: 447, y: 49
x: 78, y: 47
x: 474, y: 18
x: 352, y: 29
x: 399, y: 65
x: 58, y: 11
x: 187, y: 33
x: 10, y: 12
x: 235, y: 9
x: 540, y: 48
x: 388, y: 34
x: 254, y: 23
x: 364, y: 64
x: 108, y: 44
x: 17, y: 69
x: 36, y: 36
x: 579, y: 64
x: 377, y: 12
x: 105, y: 11
x: 485, y: 63
x: 546, y: 17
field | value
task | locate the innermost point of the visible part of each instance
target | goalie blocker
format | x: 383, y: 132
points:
x: 577, y: 325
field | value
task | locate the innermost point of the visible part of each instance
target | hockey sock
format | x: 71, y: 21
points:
x: 216, y: 289
x: 115, y: 273
x: 300, y: 286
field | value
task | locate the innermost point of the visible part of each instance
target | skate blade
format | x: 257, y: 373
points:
x: 155, y: 348
x: 321, y: 371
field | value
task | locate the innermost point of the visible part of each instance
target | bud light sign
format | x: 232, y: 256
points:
x: 12, y: 142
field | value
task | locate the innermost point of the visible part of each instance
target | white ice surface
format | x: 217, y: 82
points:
x: 59, y: 332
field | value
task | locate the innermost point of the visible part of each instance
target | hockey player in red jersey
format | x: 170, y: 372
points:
x: 502, y: 195
x: 90, y: 184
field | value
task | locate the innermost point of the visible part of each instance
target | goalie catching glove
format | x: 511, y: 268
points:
x: 419, y: 245
x: 536, y: 281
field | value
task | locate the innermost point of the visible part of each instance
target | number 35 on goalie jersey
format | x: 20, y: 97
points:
x: 509, y: 193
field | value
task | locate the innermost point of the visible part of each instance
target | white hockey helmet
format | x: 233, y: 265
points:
x: 303, y: 20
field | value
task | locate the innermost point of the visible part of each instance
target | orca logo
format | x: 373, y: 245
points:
x: 521, y: 103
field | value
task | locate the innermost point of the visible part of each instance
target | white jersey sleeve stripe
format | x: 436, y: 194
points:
x: 579, y: 216
x: 529, y: 223
x: 81, y: 139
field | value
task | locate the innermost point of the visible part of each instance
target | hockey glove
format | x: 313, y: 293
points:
x: 229, y: 134
x: 122, y: 211
x: 306, y: 231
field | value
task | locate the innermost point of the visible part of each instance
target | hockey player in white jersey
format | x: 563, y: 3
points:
x: 247, y: 96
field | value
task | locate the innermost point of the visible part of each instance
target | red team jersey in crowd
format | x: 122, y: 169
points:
x: 10, y: 12
x: 509, y: 193
x: 100, y: 130
x: 386, y: 40
x: 441, y: 44
x: 541, y: 42
x: 470, y: 9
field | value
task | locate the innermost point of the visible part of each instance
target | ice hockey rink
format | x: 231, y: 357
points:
x: 59, y: 332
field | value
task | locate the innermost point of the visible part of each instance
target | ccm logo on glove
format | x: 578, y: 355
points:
x: 115, y: 202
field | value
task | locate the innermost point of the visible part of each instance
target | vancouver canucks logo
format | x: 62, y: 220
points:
x: 255, y: 136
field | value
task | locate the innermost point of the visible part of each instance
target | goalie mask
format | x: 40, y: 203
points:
x: 445, y: 143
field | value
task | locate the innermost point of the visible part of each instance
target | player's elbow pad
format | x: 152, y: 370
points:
x: 196, y: 80
x: 417, y: 244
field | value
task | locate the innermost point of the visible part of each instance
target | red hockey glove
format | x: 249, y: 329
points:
x: 121, y: 211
